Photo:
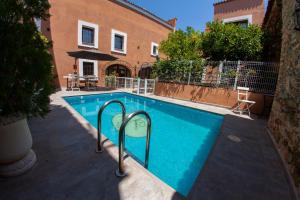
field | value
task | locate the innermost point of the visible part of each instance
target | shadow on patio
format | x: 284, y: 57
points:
x: 244, y: 167
x: 67, y: 167
x: 243, y: 164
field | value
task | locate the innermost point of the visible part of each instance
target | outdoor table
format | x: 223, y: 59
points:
x: 71, y: 81
x: 89, y: 79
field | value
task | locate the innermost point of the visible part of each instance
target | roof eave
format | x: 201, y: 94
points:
x: 145, y: 13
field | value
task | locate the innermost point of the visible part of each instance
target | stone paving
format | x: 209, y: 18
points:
x: 242, y: 165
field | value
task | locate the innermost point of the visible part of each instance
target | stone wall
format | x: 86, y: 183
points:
x: 272, y: 27
x: 284, y: 122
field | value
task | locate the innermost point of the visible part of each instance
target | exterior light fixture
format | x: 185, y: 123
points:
x: 297, y: 15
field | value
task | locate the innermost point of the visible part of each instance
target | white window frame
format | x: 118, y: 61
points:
x: 153, y: 44
x: 124, y: 35
x: 38, y: 23
x: 89, y: 25
x: 238, y: 19
x: 81, y: 61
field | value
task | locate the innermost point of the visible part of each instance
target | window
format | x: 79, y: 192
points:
x: 154, y: 49
x: 243, y: 24
x: 87, y: 34
x: 118, y: 42
x: 38, y: 23
x: 242, y: 21
x: 88, y: 67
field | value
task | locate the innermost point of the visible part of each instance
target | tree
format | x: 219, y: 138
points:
x: 182, y: 45
x: 232, y: 42
x: 184, y: 55
x: 25, y: 63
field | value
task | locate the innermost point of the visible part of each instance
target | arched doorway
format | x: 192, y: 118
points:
x: 118, y: 70
x: 145, y: 71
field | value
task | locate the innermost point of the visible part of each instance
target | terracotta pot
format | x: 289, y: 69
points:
x: 16, y: 156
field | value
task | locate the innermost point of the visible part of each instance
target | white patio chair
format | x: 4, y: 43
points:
x: 74, y: 82
x: 243, y: 100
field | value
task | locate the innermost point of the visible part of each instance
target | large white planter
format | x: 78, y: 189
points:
x: 16, y: 156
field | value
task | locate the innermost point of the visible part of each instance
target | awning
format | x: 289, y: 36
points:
x: 91, y: 54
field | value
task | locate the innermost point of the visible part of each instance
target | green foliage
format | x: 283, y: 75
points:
x: 178, y: 71
x: 232, y: 42
x: 25, y: 63
x: 110, y: 81
x: 182, y: 45
x: 184, y: 56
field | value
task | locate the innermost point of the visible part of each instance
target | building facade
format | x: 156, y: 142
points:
x: 103, y: 37
x: 242, y: 12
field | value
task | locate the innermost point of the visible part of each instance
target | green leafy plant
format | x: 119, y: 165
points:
x: 110, y: 81
x: 25, y: 63
x: 229, y: 77
x: 232, y: 42
x: 182, y: 45
x: 183, y: 56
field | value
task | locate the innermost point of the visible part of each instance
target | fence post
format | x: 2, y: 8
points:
x: 203, y: 75
x: 146, y: 82
x: 189, y: 77
x: 154, y: 83
x: 220, y: 72
x: 237, y: 74
x: 125, y: 84
x: 138, y: 86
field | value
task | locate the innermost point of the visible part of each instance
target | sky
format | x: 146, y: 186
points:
x: 194, y: 13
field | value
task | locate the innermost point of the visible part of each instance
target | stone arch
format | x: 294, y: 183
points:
x: 145, y: 70
x: 119, y: 67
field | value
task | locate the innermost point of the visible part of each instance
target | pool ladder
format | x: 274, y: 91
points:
x: 120, y: 172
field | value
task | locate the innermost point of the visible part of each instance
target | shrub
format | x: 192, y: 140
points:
x: 110, y: 81
x: 178, y: 71
x: 25, y: 63
x: 182, y: 45
x: 184, y: 56
x: 232, y: 42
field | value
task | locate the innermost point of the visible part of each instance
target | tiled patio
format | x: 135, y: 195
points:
x: 243, y: 164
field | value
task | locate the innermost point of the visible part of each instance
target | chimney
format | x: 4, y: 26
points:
x: 172, y: 22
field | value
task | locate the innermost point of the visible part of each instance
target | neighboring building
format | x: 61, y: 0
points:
x: 242, y: 12
x: 103, y: 37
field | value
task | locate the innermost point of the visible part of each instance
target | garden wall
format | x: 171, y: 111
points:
x: 216, y: 96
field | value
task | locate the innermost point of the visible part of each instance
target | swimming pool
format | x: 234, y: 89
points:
x: 181, y: 137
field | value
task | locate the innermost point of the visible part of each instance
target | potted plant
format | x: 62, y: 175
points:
x: 25, y: 81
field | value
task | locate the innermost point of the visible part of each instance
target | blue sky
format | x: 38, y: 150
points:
x: 193, y: 13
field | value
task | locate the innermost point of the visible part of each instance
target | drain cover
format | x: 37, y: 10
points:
x: 234, y: 138
x: 136, y: 127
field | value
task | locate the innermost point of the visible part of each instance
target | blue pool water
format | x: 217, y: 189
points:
x: 181, y: 137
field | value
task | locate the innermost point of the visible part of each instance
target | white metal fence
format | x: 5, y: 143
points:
x: 258, y: 76
x: 136, y: 85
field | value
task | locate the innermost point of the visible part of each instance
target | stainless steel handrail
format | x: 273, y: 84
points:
x: 120, y: 172
x: 99, y: 145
